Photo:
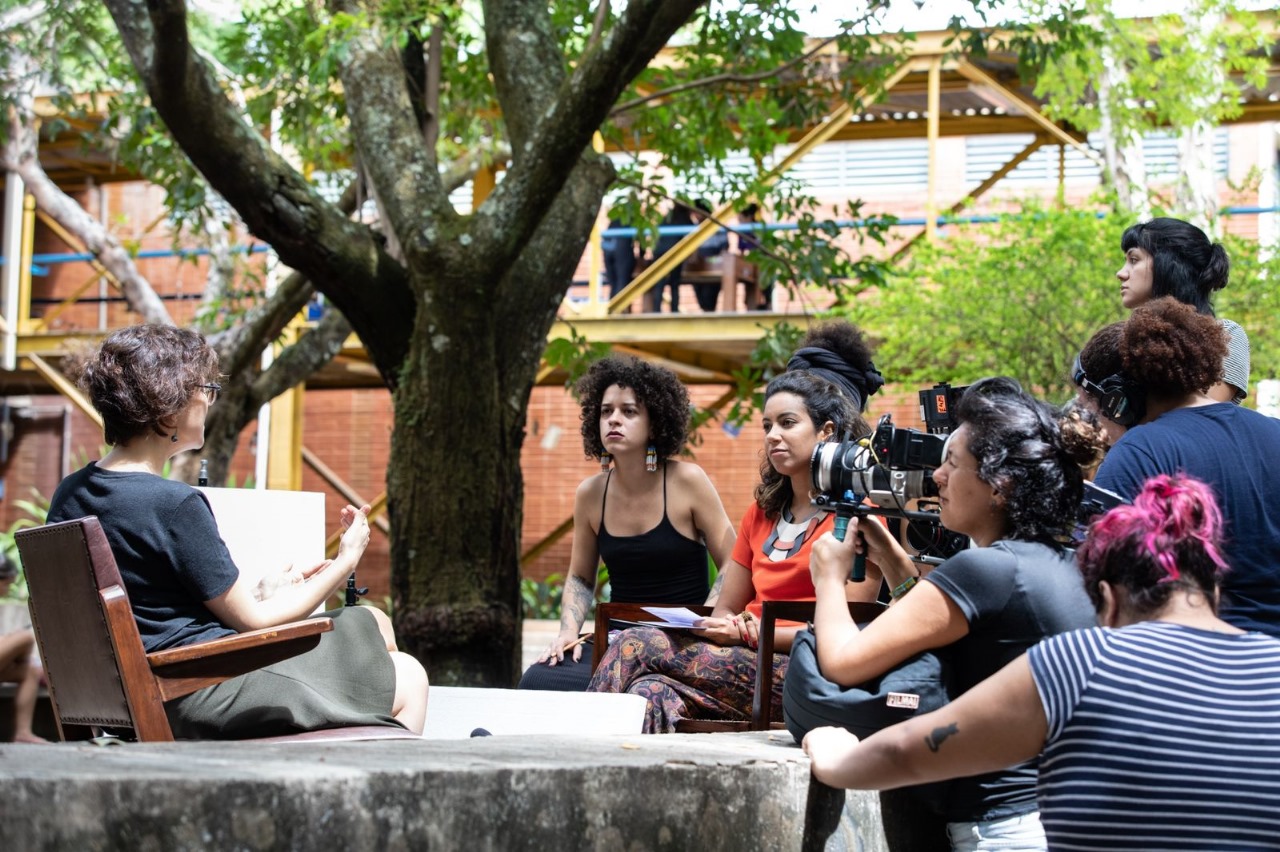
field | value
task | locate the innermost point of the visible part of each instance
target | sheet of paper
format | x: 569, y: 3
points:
x: 266, y: 530
x: 672, y: 616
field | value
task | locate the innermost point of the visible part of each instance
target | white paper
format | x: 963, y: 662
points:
x: 268, y: 530
x: 672, y: 616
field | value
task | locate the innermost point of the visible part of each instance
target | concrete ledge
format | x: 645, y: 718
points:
x: 730, y: 792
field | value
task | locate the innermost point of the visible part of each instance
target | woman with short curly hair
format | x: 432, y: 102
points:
x: 153, y: 386
x: 1010, y: 480
x: 1149, y: 378
x: 651, y: 518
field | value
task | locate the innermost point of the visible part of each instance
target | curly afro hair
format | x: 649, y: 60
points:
x: 837, y: 351
x: 1025, y: 455
x: 1165, y: 347
x: 144, y: 374
x: 658, y: 389
x: 842, y: 338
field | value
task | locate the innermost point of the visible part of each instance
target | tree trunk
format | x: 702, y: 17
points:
x: 460, y: 413
x: 1197, y: 187
x: 1122, y: 147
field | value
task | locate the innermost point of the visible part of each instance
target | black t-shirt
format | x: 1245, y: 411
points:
x: 166, y: 545
x: 1013, y: 594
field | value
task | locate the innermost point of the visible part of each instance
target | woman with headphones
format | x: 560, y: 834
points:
x: 1149, y: 379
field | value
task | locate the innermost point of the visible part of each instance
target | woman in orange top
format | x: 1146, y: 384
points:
x: 709, y: 673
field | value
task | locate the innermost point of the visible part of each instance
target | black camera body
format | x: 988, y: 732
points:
x: 891, y: 467
x: 894, y: 465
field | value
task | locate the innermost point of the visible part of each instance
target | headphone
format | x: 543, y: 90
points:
x: 1120, y: 399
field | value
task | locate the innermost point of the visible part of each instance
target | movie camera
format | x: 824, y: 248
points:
x: 892, y: 467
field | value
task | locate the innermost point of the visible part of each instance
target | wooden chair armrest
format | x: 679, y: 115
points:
x: 606, y: 612
x: 182, y: 671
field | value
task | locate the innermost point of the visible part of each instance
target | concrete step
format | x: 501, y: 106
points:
x: 732, y: 792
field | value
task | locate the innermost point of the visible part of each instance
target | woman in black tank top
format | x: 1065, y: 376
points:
x: 664, y: 517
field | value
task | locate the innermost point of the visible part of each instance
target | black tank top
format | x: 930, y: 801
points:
x: 658, y: 566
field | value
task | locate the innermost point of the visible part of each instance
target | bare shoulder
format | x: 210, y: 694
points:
x: 592, y: 487
x: 687, y: 474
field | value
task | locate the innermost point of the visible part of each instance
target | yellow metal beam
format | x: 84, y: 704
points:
x: 707, y: 328
x: 663, y: 266
x: 64, y: 386
x: 980, y: 190
x: 1027, y: 107
x: 284, y: 440
x: 23, y: 320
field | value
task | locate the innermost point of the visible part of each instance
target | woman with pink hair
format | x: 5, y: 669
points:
x: 1159, y: 730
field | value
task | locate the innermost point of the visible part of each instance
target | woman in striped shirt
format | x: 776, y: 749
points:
x: 1159, y: 730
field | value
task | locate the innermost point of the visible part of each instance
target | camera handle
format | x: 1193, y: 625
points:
x: 353, y: 594
x: 849, y: 508
x: 843, y: 515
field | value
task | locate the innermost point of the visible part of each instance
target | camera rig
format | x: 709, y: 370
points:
x: 891, y: 467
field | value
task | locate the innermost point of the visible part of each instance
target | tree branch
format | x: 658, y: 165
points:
x: 564, y: 126
x: 240, y: 346
x: 306, y: 355
x: 387, y: 135
x: 431, y: 93
x: 20, y: 155
x: 721, y: 79
x: 343, y: 259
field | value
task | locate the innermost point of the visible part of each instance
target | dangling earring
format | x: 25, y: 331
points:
x: 605, y: 458
x: 173, y: 439
x: 651, y: 459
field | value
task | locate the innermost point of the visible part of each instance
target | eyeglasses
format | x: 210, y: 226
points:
x: 212, y: 390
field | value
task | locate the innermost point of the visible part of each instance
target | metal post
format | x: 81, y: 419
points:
x: 14, y: 190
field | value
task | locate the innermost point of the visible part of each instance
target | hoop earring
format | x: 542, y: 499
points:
x: 651, y: 459
x: 605, y: 458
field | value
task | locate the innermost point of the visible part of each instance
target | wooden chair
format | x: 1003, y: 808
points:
x: 100, y: 676
x: 772, y: 612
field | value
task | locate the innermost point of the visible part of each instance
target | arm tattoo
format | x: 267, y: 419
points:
x: 939, y: 735
x: 576, y: 602
x: 717, y: 587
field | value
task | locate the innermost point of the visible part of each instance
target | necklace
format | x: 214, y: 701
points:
x: 788, y: 536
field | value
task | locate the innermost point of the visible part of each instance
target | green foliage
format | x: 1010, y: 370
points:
x: 541, y: 599
x: 574, y: 355
x: 37, y: 509
x: 1168, y: 77
x: 1253, y: 300
x: 1018, y: 297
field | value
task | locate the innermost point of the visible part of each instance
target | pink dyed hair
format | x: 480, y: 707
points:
x: 1170, y: 537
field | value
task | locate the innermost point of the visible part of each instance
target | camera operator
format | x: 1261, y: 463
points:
x: 1011, y: 480
x: 1149, y: 379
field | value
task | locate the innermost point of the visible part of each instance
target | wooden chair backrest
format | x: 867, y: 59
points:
x: 93, y: 656
x: 771, y: 613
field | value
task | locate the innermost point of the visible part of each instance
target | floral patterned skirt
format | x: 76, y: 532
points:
x: 684, y: 677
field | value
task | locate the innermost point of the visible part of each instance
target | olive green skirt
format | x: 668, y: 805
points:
x: 348, y: 679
